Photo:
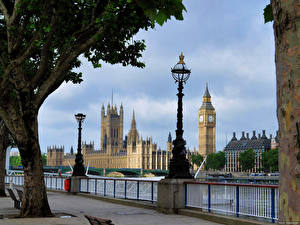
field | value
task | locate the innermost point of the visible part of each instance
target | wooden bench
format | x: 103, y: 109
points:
x: 13, y: 197
x: 98, y: 221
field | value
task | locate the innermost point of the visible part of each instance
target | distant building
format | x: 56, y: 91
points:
x: 259, y: 145
x: 132, y: 152
x: 206, y: 126
x: 55, y: 155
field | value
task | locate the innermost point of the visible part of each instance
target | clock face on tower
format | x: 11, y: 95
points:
x: 210, y: 118
x: 201, y: 118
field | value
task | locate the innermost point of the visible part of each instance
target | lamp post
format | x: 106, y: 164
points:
x: 179, y: 166
x: 79, y: 169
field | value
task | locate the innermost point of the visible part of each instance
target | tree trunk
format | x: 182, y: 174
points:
x: 4, y: 143
x: 2, y: 171
x: 35, y: 201
x: 287, y: 57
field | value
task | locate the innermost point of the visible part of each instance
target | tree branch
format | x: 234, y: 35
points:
x: 45, y: 53
x: 28, y: 50
x: 19, y: 39
x: 58, y: 75
x: 14, y: 14
x: 5, y: 12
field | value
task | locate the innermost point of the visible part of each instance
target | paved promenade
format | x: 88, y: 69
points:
x: 80, y: 206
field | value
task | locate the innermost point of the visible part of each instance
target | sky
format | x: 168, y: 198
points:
x: 225, y: 43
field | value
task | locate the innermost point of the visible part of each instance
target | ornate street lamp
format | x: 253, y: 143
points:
x: 179, y: 166
x: 79, y: 169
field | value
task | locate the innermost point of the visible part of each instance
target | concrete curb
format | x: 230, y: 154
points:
x: 219, y: 218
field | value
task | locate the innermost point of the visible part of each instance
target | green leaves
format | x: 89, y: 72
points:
x: 268, y: 14
x: 247, y: 159
x: 215, y: 161
x: 196, y: 159
x: 270, y: 160
x: 159, y: 11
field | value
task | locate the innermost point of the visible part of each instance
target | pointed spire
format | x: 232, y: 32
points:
x: 170, y: 138
x: 206, y: 93
x: 133, y: 123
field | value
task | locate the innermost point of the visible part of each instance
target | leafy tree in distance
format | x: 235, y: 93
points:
x: 15, y: 161
x: 196, y: 159
x: 286, y: 27
x: 215, y: 161
x: 40, y: 42
x: 247, y: 160
x: 44, y: 159
x: 270, y: 160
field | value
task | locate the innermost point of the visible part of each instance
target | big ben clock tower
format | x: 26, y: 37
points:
x: 206, y: 126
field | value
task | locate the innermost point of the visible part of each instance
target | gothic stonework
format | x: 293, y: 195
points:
x: 133, y: 152
x: 206, y: 126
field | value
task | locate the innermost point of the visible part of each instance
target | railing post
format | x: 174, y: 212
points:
x: 138, y: 190
x: 56, y: 183
x: 152, y: 191
x: 209, y: 197
x: 79, y: 184
x: 95, y: 186
x: 237, y: 196
x: 125, y: 190
x: 273, y: 205
x: 114, y: 188
x: 50, y: 182
x: 87, y: 185
x: 104, y: 187
x: 61, y: 183
x: 185, y: 195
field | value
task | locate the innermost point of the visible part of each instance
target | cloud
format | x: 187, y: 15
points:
x: 229, y: 46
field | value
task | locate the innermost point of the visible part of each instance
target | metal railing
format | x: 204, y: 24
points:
x: 121, y: 188
x: 251, y: 200
x: 260, y: 201
x: 54, y: 183
x: 111, y: 187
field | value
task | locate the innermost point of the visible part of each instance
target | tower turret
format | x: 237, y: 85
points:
x: 133, y: 133
x: 206, y: 125
x: 111, y: 129
x: 169, y: 143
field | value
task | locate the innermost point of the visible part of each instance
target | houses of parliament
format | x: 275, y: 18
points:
x: 134, y: 151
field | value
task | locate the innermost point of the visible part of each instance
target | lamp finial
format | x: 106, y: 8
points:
x: 181, y: 57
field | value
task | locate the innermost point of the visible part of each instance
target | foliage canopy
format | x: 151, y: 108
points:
x: 215, y: 161
x: 197, y: 159
x: 247, y: 159
x: 270, y: 160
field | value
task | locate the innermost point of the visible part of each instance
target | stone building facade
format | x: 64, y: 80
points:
x: 55, y: 155
x: 206, y: 126
x: 259, y: 145
x: 132, y: 152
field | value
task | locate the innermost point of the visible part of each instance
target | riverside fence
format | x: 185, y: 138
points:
x: 135, y: 189
x: 121, y: 188
x: 253, y: 200
x: 233, y: 199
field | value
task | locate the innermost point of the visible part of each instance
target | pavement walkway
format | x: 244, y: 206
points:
x: 80, y: 206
